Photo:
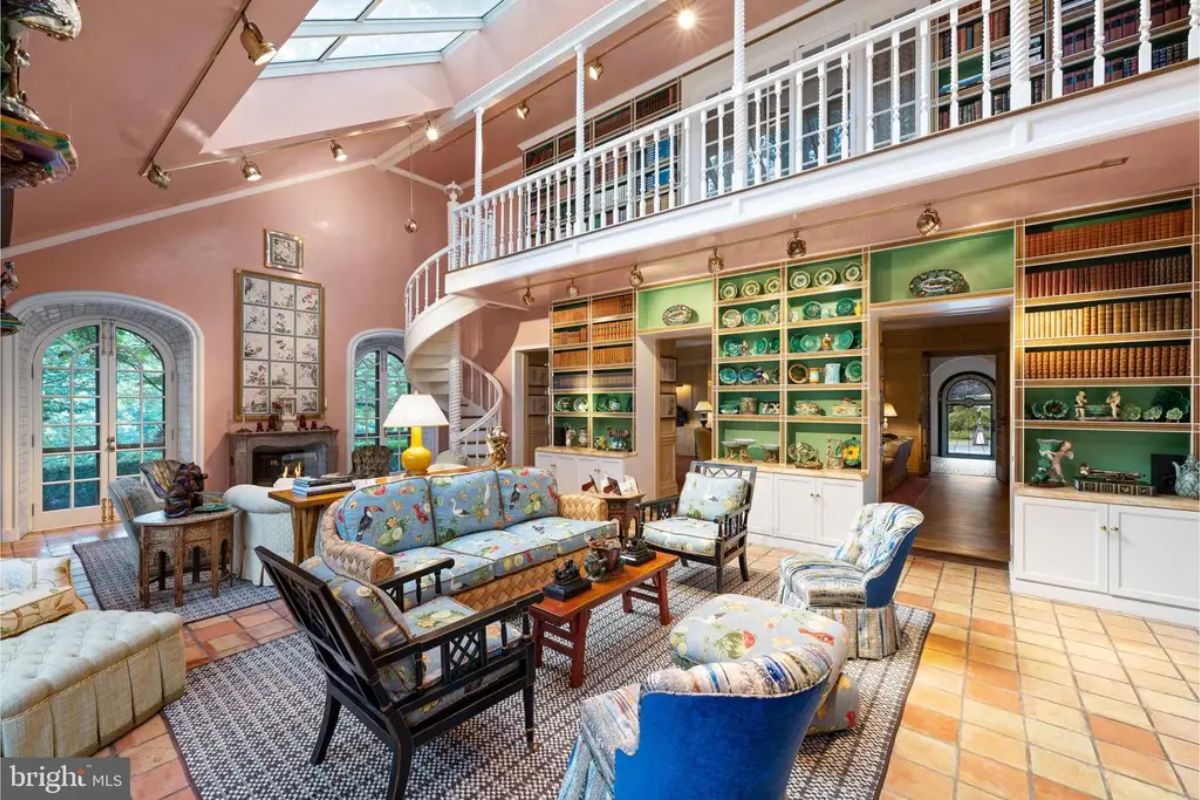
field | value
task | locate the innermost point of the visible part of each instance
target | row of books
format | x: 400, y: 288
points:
x: 621, y: 354
x: 335, y: 482
x: 1164, y: 12
x: 970, y: 34
x: 570, y: 382
x: 1113, y: 233
x: 613, y: 379
x: 1125, y: 316
x: 1127, y: 274
x: 563, y: 316
x: 569, y: 359
x: 1138, y: 361
x: 612, y: 331
x: 1169, y: 54
x: 567, y: 337
x: 611, y: 306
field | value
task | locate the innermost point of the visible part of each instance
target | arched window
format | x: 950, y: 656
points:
x: 966, y: 404
x: 379, y: 379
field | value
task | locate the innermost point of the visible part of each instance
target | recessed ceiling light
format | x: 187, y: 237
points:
x: 929, y: 221
x: 250, y: 171
x: 257, y: 48
x: 523, y: 110
x: 686, y: 18
x: 339, y: 152
x: 431, y: 131
x: 595, y: 70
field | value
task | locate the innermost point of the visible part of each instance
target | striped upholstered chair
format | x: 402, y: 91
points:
x: 857, y: 583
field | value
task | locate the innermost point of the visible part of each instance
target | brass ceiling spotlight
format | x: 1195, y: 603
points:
x: 716, y: 262
x: 928, y: 221
x: 257, y: 48
x: 158, y: 176
x: 572, y: 289
x: 796, y: 246
x: 595, y: 70
x: 635, y: 277
x: 250, y: 170
x: 339, y: 152
x: 527, y: 298
x: 523, y: 110
x: 431, y: 131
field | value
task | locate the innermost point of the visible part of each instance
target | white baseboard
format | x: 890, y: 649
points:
x: 1107, y: 602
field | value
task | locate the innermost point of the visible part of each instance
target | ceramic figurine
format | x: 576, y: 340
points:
x: 1187, y: 477
x: 1081, y: 405
x: 1114, y: 403
x: 827, y: 341
x: 570, y: 437
x: 1049, y: 467
x: 186, y: 492
x: 833, y: 454
x: 497, y: 446
x: 804, y: 455
x: 600, y: 443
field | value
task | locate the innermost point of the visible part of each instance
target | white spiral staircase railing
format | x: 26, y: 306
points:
x: 470, y: 395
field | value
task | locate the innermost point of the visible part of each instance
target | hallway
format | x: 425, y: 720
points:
x: 965, y: 515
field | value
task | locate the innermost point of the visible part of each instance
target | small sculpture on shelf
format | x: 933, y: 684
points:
x: 1081, y: 405
x: 1049, y: 471
x: 637, y: 551
x: 497, y: 446
x: 804, y: 455
x: 186, y: 492
x: 833, y: 454
x: 1114, y: 403
x: 1187, y: 477
x: 618, y: 438
x: 603, y: 559
x: 567, y: 582
x: 569, y: 437
x: 600, y: 443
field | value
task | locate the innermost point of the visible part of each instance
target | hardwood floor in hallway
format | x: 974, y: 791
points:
x: 965, y: 515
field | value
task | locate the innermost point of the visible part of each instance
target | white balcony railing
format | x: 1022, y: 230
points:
x: 898, y: 82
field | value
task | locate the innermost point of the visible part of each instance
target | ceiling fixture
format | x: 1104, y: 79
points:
x: 257, y: 48
x: 527, y: 298
x: 250, y: 170
x: 595, y: 70
x: 635, y: 277
x: 410, y: 224
x: 572, y: 289
x: 158, y: 176
x: 339, y: 152
x: 431, y: 131
x: 929, y: 221
x: 523, y: 110
x: 796, y: 246
x: 716, y: 262
x: 686, y: 18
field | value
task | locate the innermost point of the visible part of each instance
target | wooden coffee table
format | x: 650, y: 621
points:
x: 562, y: 625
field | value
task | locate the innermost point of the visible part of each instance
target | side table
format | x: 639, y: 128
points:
x: 161, y: 536
x: 623, y: 508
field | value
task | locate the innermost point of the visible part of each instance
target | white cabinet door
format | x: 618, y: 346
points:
x: 549, y: 462
x: 796, y: 508
x: 1061, y: 542
x: 762, y: 504
x: 837, y: 509
x: 612, y: 467
x: 1152, y: 555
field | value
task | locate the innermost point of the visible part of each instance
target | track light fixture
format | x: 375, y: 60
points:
x: 257, y: 48
x: 595, y: 70
x: 929, y: 221
x: 339, y: 152
x: 158, y: 176
x: 527, y: 298
x: 431, y: 131
x: 686, y: 18
x: 716, y: 262
x: 250, y: 170
x: 635, y: 277
x: 523, y: 110
x: 572, y: 289
x: 796, y: 246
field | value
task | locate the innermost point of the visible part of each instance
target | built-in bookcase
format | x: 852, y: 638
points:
x: 1106, y: 302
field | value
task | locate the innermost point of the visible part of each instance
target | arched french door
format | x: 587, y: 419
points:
x: 379, y: 380
x: 967, y: 419
x: 103, y: 407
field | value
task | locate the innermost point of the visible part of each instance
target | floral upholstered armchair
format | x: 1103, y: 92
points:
x: 707, y: 521
x: 857, y: 583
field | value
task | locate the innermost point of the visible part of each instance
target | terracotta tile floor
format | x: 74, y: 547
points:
x: 1015, y: 697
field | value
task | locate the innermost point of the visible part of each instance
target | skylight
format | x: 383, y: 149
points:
x: 358, y: 34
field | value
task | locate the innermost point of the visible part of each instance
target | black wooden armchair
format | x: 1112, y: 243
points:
x: 707, y: 522
x: 476, y: 668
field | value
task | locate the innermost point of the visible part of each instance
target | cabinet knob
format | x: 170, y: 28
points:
x: 1104, y: 528
x: 1114, y: 529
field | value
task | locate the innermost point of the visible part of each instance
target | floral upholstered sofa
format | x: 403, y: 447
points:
x: 505, y: 530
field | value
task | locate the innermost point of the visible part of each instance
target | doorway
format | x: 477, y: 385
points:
x: 531, y: 403
x: 693, y: 404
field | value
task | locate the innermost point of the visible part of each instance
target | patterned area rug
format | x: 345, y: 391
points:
x: 248, y: 722
x: 114, y: 580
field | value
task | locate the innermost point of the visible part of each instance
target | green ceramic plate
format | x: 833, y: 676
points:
x: 752, y: 316
x: 747, y: 375
x: 751, y: 289
x: 826, y: 276
x: 613, y: 403
x: 845, y: 307
x: 761, y: 347
x: 794, y: 343
x: 812, y: 310
x: 580, y: 405
x: 799, y: 280
x: 771, y: 285
x: 728, y: 376
x: 810, y: 343
x: 844, y: 340
x: 728, y: 291
x: 562, y: 404
x: 733, y: 347
x: 731, y: 318
x: 852, y: 273
x: 210, y: 508
x: 854, y: 371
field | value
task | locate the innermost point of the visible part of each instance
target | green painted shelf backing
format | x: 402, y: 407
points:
x: 1103, y: 450
x: 653, y: 302
x: 1141, y: 396
x: 985, y: 260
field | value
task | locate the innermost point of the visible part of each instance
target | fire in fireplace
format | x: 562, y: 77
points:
x: 272, y: 463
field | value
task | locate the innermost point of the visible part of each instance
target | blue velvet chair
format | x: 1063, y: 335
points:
x: 857, y: 583
x: 653, y: 741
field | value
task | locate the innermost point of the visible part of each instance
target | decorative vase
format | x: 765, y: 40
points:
x: 1187, y: 477
x: 833, y: 372
x: 814, y: 374
x: 748, y: 405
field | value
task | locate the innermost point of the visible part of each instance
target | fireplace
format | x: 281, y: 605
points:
x: 269, y: 463
x: 261, y: 457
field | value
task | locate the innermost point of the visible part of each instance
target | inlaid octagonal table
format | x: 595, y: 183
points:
x: 162, y: 536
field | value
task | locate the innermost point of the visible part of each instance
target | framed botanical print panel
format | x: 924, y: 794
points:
x: 283, y: 251
x: 280, y: 343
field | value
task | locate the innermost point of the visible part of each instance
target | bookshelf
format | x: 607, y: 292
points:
x: 1106, y: 302
x: 592, y: 385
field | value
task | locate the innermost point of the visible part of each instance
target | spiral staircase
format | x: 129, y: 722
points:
x: 470, y: 395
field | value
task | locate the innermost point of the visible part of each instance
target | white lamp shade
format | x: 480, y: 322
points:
x: 415, y: 411
x: 889, y: 410
x: 704, y: 406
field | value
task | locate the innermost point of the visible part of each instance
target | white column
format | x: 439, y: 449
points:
x: 1144, y: 49
x: 739, y: 99
x: 1194, y: 29
x: 477, y: 220
x: 453, y: 256
x: 455, y: 393
x: 580, y: 81
x: 1056, y: 76
x: 1098, y: 43
x: 1021, y: 93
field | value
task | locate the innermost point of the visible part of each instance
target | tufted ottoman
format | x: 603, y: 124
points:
x: 77, y: 684
x: 733, y: 627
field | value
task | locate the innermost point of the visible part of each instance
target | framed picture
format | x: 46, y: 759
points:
x: 667, y: 369
x: 666, y: 405
x: 279, y: 341
x: 284, y: 251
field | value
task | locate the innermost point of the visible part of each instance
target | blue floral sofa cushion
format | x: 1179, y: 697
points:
x: 683, y: 533
x: 507, y: 552
x: 467, y: 572
x: 877, y: 534
x: 390, y: 517
x: 568, y: 535
x: 708, y: 497
x: 465, y: 503
x: 527, y: 493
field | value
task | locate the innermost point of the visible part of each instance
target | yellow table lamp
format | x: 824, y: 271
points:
x: 415, y: 411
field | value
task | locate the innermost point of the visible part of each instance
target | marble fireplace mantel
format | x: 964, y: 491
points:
x: 243, y: 445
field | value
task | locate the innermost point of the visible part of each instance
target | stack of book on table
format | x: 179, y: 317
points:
x: 306, y: 487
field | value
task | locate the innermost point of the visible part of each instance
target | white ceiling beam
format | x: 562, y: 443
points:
x: 344, y: 64
x: 387, y: 26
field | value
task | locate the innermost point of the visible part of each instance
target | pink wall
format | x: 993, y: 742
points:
x: 355, y: 246
x: 491, y: 336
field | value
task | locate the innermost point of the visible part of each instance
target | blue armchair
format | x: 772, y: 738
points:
x: 857, y: 583
x: 642, y: 741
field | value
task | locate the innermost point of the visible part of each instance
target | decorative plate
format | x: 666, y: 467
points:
x: 752, y: 316
x: 811, y: 309
x: 728, y: 291
x: 858, y: 340
x: 826, y: 276
x: 854, y: 371
x: 771, y: 315
x: 760, y: 347
x: 794, y: 343
x: 798, y: 373
x: 843, y: 340
x: 772, y: 285
x: 1055, y: 409
x: 845, y: 307
x: 731, y: 318
x: 679, y: 315
x: 1035, y: 411
x: 810, y: 343
x: 1152, y: 414
x: 1130, y: 412
x: 613, y: 403
x: 580, y: 405
x: 852, y: 273
x: 751, y: 289
x: 1174, y: 414
x: 210, y: 508
x: 562, y: 404
x: 747, y: 375
x: 799, y: 279
x: 1170, y: 397
x: 727, y: 376
x: 851, y: 452
x: 938, y: 283
x: 734, y: 348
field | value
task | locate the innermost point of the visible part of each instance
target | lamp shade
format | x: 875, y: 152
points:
x: 889, y: 410
x: 704, y: 407
x: 415, y: 411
